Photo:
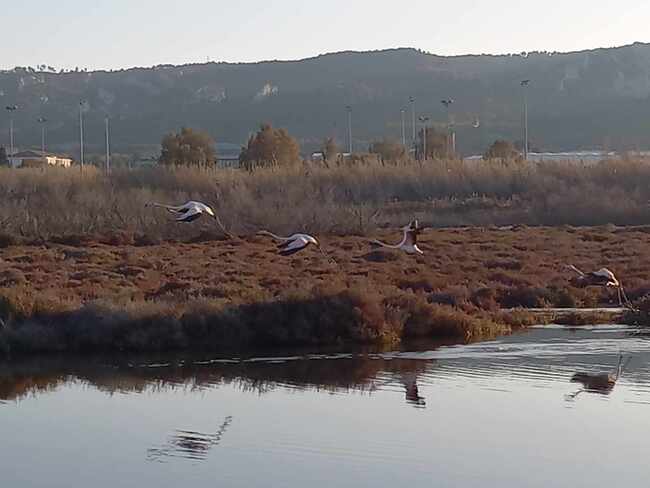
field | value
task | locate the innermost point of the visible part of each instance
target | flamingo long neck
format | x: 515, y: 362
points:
x: 619, y: 369
x: 271, y: 234
x: 572, y: 267
x: 383, y: 244
x: 396, y: 246
x: 168, y: 207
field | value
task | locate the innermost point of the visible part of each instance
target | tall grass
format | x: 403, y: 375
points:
x: 321, y: 316
x: 356, y: 199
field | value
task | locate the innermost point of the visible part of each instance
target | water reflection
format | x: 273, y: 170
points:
x: 600, y: 383
x: 336, y: 374
x: 373, y: 418
x: 413, y: 397
x: 543, y: 356
x: 189, y: 444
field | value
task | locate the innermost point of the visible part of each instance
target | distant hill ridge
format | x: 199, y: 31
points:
x: 588, y: 99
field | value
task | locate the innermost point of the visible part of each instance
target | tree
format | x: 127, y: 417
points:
x: 270, y: 147
x: 502, y: 150
x: 388, y: 150
x: 188, y: 147
x: 330, y: 150
x: 4, y: 160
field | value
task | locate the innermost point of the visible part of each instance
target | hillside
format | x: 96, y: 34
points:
x: 596, y: 98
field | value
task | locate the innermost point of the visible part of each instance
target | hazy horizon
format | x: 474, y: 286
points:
x: 326, y: 53
x: 101, y: 37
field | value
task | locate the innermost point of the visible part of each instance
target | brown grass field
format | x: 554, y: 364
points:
x: 50, y: 204
x: 86, y: 267
x: 220, y: 294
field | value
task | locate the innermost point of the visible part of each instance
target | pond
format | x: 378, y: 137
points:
x: 504, y: 413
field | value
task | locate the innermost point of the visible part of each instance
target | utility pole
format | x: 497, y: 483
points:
x: 451, y: 143
x: 424, y: 121
x: 412, y: 102
x: 82, y: 105
x: 11, y: 109
x: 403, y: 112
x: 349, y: 109
x: 108, y: 150
x: 524, y: 87
x: 42, y: 121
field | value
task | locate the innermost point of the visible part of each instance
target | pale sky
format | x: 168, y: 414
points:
x: 105, y: 34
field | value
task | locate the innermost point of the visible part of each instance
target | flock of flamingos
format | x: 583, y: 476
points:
x: 601, y: 382
x: 295, y: 243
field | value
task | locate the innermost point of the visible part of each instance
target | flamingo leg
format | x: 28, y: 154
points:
x: 627, y: 301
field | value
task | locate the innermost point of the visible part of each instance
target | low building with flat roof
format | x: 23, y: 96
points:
x: 31, y: 159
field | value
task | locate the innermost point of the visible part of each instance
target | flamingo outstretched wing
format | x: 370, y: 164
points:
x: 292, y: 247
x: 190, y: 215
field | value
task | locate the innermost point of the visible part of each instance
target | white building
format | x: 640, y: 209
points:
x: 31, y: 158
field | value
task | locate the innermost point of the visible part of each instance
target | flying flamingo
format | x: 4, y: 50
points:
x: 294, y: 243
x: 603, y: 277
x: 409, y: 241
x: 191, y: 211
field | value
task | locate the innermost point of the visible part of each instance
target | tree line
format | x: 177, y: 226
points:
x: 271, y: 146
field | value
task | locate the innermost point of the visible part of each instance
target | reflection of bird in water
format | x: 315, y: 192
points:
x: 410, y: 382
x: 188, y: 444
x: 602, y: 383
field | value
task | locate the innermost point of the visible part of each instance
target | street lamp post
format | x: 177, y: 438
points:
x: 451, y: 143
x: 412, y: 102
x: 349, y: 109
x: 524, y: 86
x: 82, y: 105
x: 108, y: 150
x: 42, y: 121
x: 424, y: 121
x: 403, y: 112
x: 11, y: 109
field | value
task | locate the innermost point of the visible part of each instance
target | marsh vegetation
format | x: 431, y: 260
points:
x: 335, y: 199
x: 221, y: 294
x: 84, y: 266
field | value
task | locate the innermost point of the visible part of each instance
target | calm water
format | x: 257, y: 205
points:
x: 502, y: 414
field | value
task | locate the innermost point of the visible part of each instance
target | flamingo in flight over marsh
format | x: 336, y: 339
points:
x: 409, y: 243
x: 191, y: 211
x: 294, y: 243
x: 603, y: 277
